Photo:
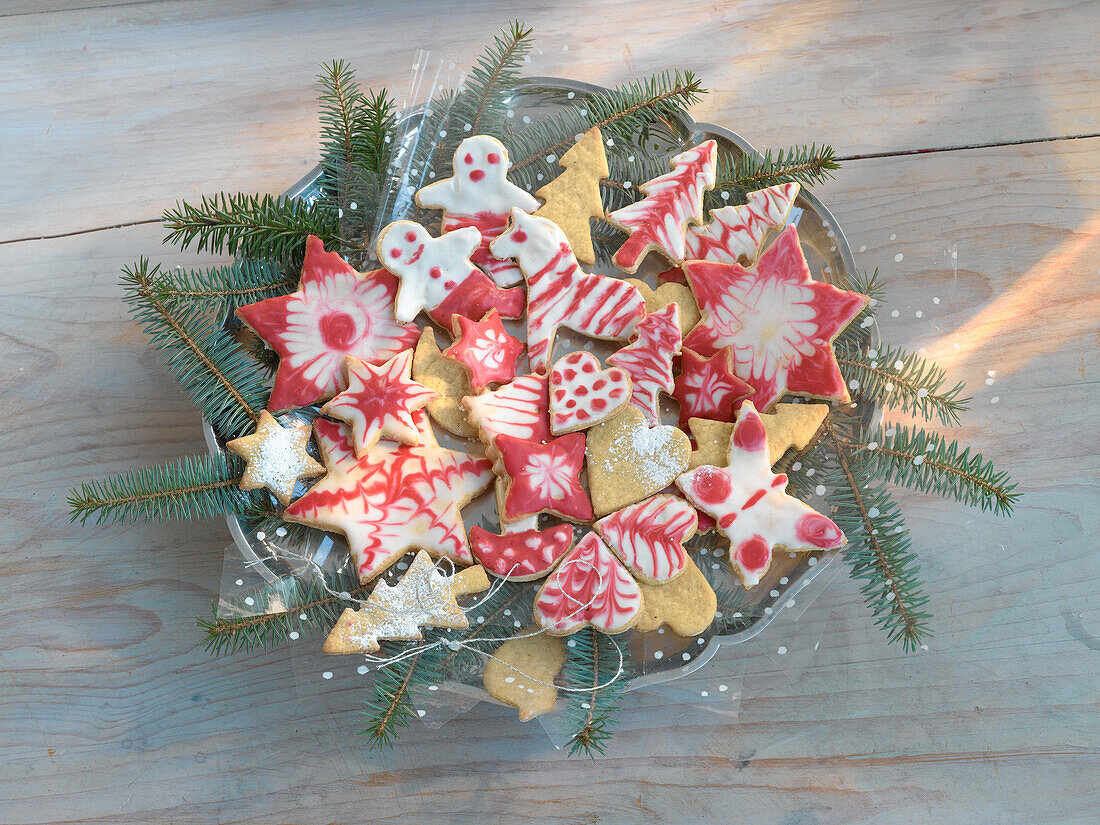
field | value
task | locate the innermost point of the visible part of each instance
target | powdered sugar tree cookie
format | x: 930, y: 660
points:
x: 276, y: 457
x: 648, y: 360
x: 437, y: 275
x: 672, y: 201
x: 487, y: 351
x: 589, y: 587
x: 778, y: 321
x: 559, y: 293
x: 735, y: 233
x: 380, y: 401
x: 751, y: 505
x: 335, y: 312
x: 394, y: 499
x: 479, y: 195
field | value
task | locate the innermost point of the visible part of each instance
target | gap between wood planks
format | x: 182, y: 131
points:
x: 843, y: 159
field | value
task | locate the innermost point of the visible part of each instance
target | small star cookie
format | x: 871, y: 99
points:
x: 276, y: 457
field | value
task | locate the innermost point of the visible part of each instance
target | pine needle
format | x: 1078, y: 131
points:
x: 592, y: 661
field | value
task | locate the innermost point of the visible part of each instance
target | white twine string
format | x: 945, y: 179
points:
x: 458, y: 644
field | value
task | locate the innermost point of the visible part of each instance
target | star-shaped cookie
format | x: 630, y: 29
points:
x: 488, y: 352
x: 778, y: 321
x: 394, y: 499
x: 707, y: 387
x: 276, y: 457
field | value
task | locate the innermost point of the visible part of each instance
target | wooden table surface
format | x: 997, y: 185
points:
x: 989, y: 238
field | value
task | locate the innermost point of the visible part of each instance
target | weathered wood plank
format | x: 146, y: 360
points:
x: 110, y: 114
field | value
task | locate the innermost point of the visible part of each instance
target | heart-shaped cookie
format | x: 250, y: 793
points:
x: 648, y: 536
x: 628, y: 460
x: 582, y: 395
x: 590, y: 586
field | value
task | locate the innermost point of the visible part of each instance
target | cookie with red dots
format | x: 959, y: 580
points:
x: 582, y: 395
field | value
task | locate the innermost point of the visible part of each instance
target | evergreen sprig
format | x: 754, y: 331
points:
x: 928, y: 462
x: 396, y: 686
x: 878, y: 551
x: 255, y: 226
x: 228, y: 287
x: 624, y: 115
x: 193, y: 487
x: 222, y: 380
x: 590, y: 661
x: 735, y: 175
x: 893, y: 377
x: 289, y: 604
x: 492, y: 80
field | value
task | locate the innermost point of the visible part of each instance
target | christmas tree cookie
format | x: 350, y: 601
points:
x: 573, y: 198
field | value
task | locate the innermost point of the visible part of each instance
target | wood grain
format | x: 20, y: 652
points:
x: 111, y: 714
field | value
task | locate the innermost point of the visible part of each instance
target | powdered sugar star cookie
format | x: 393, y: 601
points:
x: 394, y: 499
x: 779, y: 322
x: 335, y: 312
x: 736, y: 233
x: 488, y: 352
x: 582, y: 394
x: 559, y: 293
x: 437, y: 275
x: 480, y: 195
x: 673, y: 200
x: 751, y: 505
x: 648, y: 360
x: 544, y: 477
x: 380, y: 401
x: 589, y: 587
x: 276, y: 457
x: 707, y: 387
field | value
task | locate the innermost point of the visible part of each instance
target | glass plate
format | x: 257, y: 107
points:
x: 829, y: 258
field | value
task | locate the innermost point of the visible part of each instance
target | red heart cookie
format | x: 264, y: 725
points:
x: 582, y: 395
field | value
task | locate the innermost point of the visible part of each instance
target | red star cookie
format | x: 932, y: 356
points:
x: 394, y: 499
x: 779, y: 322
x: 380, y: 401
x: 751, y: 505
x: 707, y: 387
x: 544, y: 477
x: 336, y: 312
x: 487, y: 351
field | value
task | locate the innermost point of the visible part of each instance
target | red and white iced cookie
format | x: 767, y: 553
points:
x: 707, y: 387
x: 672, y: 201
x: 648, y: 360
x: 779, y: 322
x: 521, y: 555
x: 582, y: 395
x: 751, y: 505
x: 544, y: 477
x: 520, y: 409
x: 480, y: 195
x: 335, y: 312
x: 649, y: 536
x: 589, y: 587
x: 380, y: 401
x: 437, y: 275
x: 485, y: 348
x: 559, y: 293
x: 735, y: 233
x: 394, y: 499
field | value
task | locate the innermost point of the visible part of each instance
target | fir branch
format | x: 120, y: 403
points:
x: 807, y: 165
x: 287, y: 605
x: 492, y: 80
x: 878, y: 549
x: 855, y: 336
x: 590, y: 662
x: 240, y: 283
x: 496, y: 617
x: 893, y: 377
x: 256, y: 226
x: 220, y: 378
x: 625, y: 116
x: 390, y: 707
x: 930, y: 463
x: 193, y: 487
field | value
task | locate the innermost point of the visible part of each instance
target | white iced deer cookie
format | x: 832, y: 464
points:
x: 429, y: 268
